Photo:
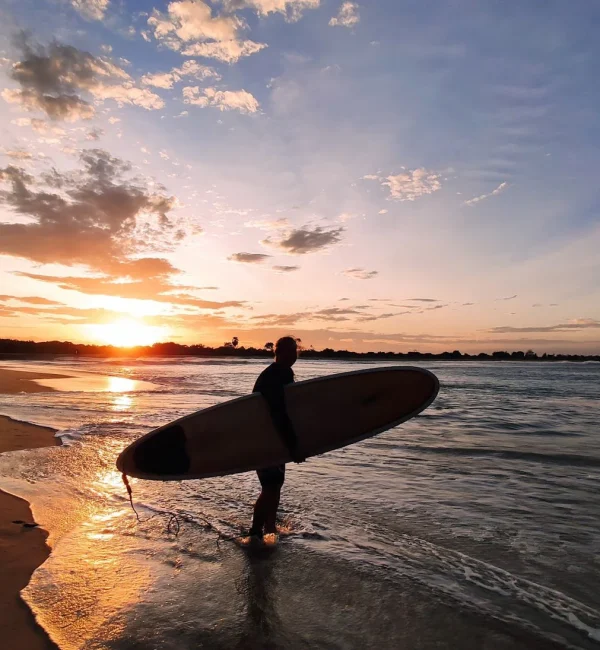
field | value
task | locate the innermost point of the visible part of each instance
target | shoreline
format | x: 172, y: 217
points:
x: 23, y: 546
x: 23, y: 381
x: 124, y: 355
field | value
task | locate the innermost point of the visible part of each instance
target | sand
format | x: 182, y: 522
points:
x: 21, y: 381
x: 22, y: 548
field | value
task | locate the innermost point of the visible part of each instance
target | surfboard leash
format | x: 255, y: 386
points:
x: 130, y: 494
x: 173, y: 525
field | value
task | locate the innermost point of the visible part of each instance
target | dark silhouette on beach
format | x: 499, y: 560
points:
x: 271, y: 384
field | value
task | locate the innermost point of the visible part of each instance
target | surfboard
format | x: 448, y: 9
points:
x: 238, y: 436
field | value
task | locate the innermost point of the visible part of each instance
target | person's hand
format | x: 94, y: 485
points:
x: 297, y: 455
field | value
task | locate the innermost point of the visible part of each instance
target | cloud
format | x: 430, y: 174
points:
x: 249, y: 258
x: 192, y: 20
x: 268, y: 224
x: 337, y: 311
x: 52, y: 80
x: 409, y: 185
x: 96, y: 216
x: 160, y: 79
x: 422, y: 300
x: 285, y: 269
x: 291, y: 9
x: 57, y: 312
x: 347, y: 16
x: 18, y: 154
x: 508, y: 297
x: 190, y: 24
x: 224, y: 100
x: 188, y: 69
x: 94, y: 134
x: 30, y: 300
x: 578, y: 324
x: 39, y: 126
x: 226, y: 51
x: 476, y: 199
x: 91, y: 9
x: 360, y: 274
x: 305, y: 240
x: 330, y: 314
x: 150, y: 281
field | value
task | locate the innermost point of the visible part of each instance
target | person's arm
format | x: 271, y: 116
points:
x: 274, y: 394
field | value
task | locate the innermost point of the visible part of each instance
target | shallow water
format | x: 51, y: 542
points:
x: 474, y: 525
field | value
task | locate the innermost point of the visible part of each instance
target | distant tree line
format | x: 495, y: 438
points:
x: 232, y: 348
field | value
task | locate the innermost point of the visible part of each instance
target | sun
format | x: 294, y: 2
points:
x: 126, y: 333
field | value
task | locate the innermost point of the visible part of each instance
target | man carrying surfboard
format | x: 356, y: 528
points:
x: 271, y: 383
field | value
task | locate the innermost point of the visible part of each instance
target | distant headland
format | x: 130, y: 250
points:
x: 11, y: 348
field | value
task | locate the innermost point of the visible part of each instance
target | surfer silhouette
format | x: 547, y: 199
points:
x: 270, y: 384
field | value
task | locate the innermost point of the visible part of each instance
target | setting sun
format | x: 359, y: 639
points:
x: 126, y: 333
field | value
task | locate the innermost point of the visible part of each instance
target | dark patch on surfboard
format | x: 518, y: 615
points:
x: 164, y: 453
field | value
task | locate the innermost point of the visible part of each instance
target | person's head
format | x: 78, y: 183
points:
x: 286, y: 351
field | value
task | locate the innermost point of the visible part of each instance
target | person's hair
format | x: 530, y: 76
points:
x: 285, y: 341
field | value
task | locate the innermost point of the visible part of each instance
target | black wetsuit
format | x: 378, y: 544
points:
x: 270, y: 384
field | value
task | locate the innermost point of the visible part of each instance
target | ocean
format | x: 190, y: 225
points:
x: 474, y: 525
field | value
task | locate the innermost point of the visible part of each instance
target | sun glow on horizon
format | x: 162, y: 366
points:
x: 126, y: 333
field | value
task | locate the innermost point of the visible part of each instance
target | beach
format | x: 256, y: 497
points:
x: 23, y: 548
x: 472, y: 526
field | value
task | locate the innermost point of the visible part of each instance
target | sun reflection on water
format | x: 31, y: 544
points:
x: 121, y: 402
x: 120, y: 385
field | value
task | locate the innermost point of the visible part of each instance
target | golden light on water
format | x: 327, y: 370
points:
x: 126, y: 333
x: 121, y: 402
x: 120, y: 385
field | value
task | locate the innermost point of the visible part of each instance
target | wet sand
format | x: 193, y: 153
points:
x: 22, y: 548
x: 22, y: 381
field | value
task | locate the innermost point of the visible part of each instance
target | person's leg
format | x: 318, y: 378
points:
x: 260, y: 507
x: 273, y: 497
x: 265, y: 509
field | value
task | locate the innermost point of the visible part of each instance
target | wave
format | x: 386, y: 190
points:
x: 508, y: 454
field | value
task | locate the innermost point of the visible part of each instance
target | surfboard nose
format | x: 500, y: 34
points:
x: 164, y: 454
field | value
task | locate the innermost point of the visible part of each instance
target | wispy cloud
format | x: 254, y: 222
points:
x: 508, y: 297
x: 495, y: 192
x: 151, y: 280
x: 18, y: 154
x: 249, y: 258
x: 285, y: 269
x: 409, y: 185
x: 224, y: 100
x: 30, y: 300
x: 291, y: 9
x: 268, y: 224
x: 191, y: 68
x: 189, y: 26
x: 347, y: 16
x: 578, y: 324
x: 226, y: 51
x: 360, y: 274
x: 54, y: 79
x: 305, y: 240
x: 91, y: 9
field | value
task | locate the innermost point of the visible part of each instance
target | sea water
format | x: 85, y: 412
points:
x: 476, y: 524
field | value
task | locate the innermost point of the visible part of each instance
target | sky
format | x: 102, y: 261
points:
x: 390, y: 175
